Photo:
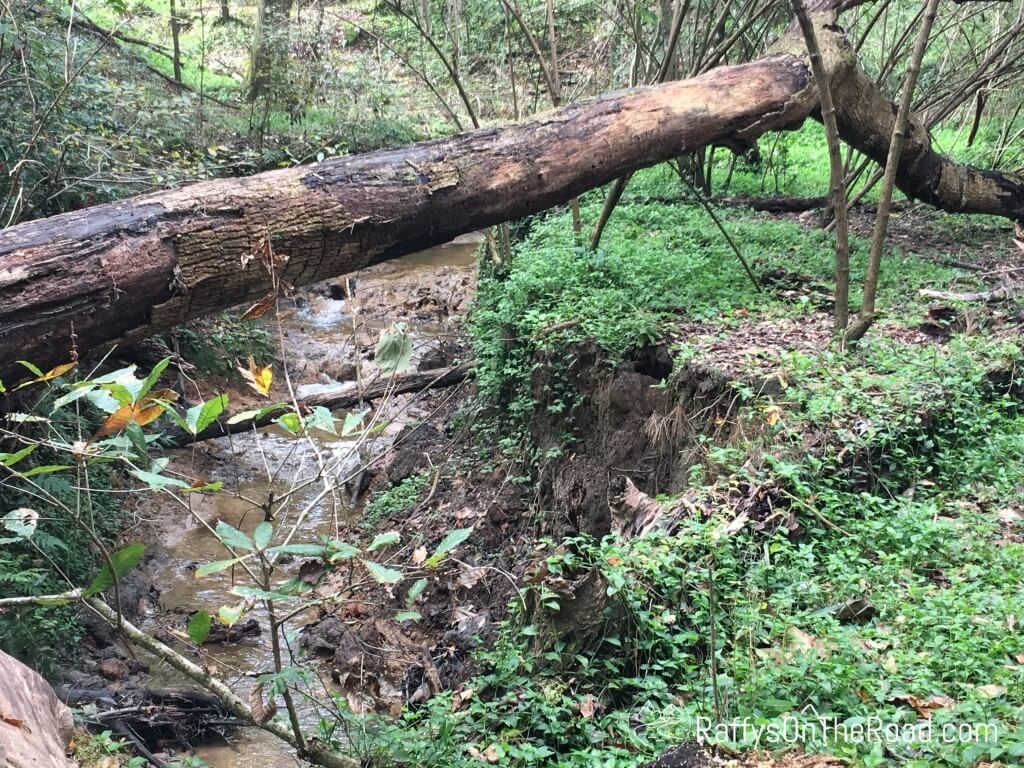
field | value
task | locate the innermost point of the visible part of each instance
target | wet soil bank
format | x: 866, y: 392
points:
x: 327, y: 338
x: 641, y: 425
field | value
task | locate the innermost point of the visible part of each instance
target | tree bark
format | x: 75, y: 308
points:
x: 130, y: 269
x: 127, y: 270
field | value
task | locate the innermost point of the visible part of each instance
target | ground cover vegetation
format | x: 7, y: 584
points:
x: 845, y: 542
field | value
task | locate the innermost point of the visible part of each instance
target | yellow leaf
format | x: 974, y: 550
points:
x: 57, y: 371
x: 51, y: 374
x: 258, y: 378
x: 773, y: 414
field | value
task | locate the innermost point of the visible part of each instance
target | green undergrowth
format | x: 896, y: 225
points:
x: 218, y: 345
x: 658, y: 263
x: 395, y: 499
x: 37, y: 635
x: 753, y: 624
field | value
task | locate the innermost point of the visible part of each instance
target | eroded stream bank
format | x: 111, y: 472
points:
x: 327, y: 337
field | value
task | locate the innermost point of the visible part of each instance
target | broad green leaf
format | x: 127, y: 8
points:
x: 121, y: 393
x: 199, y: 627
x: 201, y: 416
x: 35, y: 370
x: 177, y: 419
x: 394, y: 350
x: 257, y: 413
x: 102, y: 400
x: 154, y: 376
x: 322, y: 419
x: 291, y: 422
x: 353, y: 421
x: 261, y: 594
x: 382, y: 573
x: 301, y: 550
x: 415, y: 591
x: 216, y: 566
x: 382, y: 540
x: 229, y: 616
x: 10, y: 459
x: 408, y: 616
x: 123, y: 561
x: 233, y: 537
x: 69, y: 397
x: 450, y: 542
x: 261, y: 536
x: 342, y: 551
x: 121, y: 374
x: 157, y: 481
x: 216, y: 485
x: 44, y: 469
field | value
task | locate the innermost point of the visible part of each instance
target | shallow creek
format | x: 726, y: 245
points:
x: 418, y: 290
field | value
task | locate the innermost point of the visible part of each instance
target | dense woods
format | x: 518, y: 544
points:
x: 589, y: 382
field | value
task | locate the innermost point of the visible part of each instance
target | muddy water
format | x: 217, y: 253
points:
x: 419, y: 290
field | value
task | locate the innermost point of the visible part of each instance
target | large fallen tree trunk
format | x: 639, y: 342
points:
x: 129, y: 269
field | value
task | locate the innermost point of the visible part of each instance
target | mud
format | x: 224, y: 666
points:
x: 328, y: 335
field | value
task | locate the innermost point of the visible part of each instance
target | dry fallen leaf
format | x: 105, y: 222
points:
x: 470, y: 577
x: 17, y: 722
x: 419, y: 555
x: 991, y: 691
x: 260, y: 308
x: 924, y: 707
x: 461, y: 697
x: 258, y: 378
x: 588, y: 706
x: 51, y: 374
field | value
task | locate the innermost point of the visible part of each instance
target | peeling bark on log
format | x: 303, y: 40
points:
x: 127, y: 270
x: 133, y: 268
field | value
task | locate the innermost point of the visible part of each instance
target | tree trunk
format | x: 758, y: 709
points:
x: 129, y: 269
x: 175, y: 26
x: 269, y: 63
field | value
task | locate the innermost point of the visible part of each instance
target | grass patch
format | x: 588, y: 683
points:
x: 929, y: 550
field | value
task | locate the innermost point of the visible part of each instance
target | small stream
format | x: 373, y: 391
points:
x: 319, y: 327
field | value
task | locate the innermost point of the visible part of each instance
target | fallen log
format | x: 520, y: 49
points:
x: 127, y: 270
x: 1004, y: 292
x: 347, y: 396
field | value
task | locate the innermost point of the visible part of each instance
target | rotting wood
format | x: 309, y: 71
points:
x: 126, y: 270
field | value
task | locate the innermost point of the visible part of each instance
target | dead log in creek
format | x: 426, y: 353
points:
x: 127, y: 270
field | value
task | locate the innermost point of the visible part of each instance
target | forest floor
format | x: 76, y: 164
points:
x: 848, y: 524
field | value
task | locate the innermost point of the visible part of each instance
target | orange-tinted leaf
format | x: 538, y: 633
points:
x: 57, y: 371
x: 116, y: 421
x: 166, y: 395
x: 51, y: 374
x: 260, y: 308
x: 142, y: 413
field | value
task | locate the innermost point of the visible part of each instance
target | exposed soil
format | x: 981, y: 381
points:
x: 636, y: 425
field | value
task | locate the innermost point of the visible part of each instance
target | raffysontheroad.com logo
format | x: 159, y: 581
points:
x: 809, y: 727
